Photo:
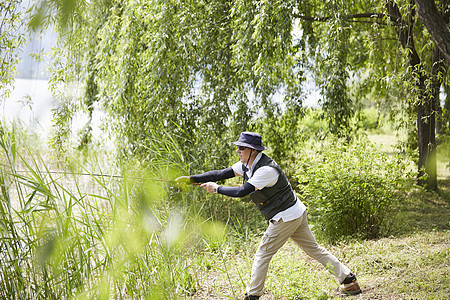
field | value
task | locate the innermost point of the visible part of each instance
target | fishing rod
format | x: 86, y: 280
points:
x: 100, y: 175
x: 79, y: 174
x: 116, y: 176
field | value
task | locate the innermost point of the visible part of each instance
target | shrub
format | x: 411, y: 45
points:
x: 349, y: 189
x: 443, y: 150
x: 368, y: 118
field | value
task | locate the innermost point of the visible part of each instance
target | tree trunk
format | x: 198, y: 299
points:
x: 436, y: 24
x: 427, y: 143
x: 426, y: 121
x: 439, y: 115
x: 426, y: 115
x: 426, y: 135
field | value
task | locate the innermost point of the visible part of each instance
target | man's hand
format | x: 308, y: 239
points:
x: 183, y: 180
x: 210, y: 187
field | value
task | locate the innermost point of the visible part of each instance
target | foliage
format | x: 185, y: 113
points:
x: 333, y: 78
x: 444, y: 151
x: 349, y: 189
x: 204, y: 71
x: 184, y: 67
x: 282, y: 135
x: 369, y: 118
x: 11, y: 39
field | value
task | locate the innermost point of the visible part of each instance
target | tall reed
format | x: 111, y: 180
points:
x: 125, y: 238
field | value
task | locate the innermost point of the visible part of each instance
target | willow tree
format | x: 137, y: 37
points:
x: 201, y: 68
x: 191, y: 68
x: 370, y: 35
x: 12, y: 37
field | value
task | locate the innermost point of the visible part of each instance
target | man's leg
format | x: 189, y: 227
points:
x: 274, y: 238
x: 305, y: 239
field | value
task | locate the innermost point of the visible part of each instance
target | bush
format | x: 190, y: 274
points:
x: 368, y: 119
x: 443, y: 150
x: 349, y: 189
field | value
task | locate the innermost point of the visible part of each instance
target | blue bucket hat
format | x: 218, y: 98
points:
x: 250, y: 140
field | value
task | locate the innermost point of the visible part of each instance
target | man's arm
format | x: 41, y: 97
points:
x: 212, y: 176
x: 238, y: 191
x: 232, y: 191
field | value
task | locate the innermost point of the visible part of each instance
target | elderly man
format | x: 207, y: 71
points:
x: 273, y: 195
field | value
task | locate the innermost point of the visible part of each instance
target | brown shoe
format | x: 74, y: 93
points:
x: 351, y: 288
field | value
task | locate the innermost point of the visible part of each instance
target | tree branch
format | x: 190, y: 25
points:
x: 436, y: 24
x: 404, y: 30
x: 347, y: 17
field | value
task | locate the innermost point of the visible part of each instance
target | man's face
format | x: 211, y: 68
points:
x: 243, y: 153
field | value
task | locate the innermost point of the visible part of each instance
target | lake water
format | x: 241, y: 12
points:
x: 31, y: 103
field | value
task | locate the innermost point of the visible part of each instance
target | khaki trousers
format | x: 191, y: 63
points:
x: 276, y: 236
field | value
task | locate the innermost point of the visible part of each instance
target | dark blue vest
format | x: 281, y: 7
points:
x: 274, y: 199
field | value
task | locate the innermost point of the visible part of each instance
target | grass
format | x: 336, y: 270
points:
x: 412, y: 263
x: 127, y: 238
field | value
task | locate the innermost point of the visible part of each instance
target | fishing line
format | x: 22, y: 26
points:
x: 109, y: 175
x: 97, y: 175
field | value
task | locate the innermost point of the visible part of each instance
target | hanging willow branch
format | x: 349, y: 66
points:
x: 350, y: 18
